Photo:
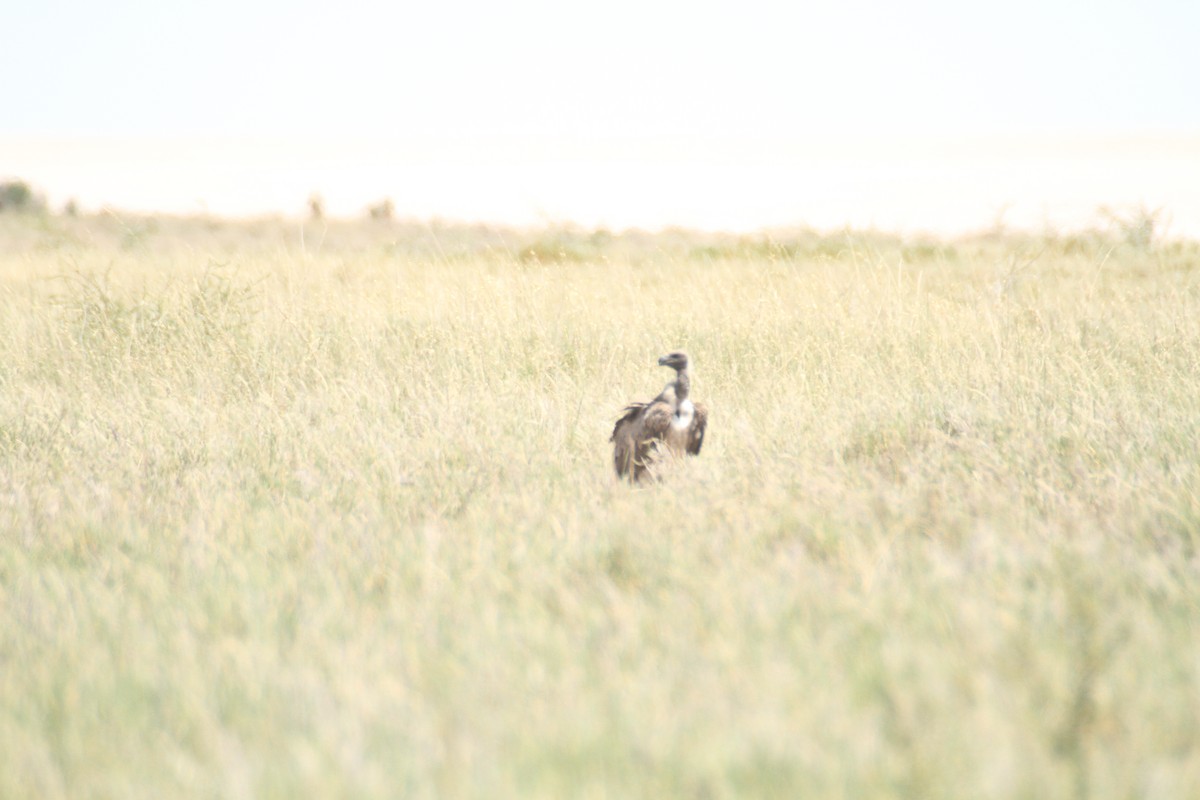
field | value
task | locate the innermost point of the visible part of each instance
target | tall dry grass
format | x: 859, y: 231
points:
x: 332, y: 515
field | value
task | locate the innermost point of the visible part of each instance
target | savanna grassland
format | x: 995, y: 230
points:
x: 327, y: 511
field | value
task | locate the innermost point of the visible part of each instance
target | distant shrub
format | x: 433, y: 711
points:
x: 70, y: 208
x: 924, y: 250
x: 805, y: 244
x: 17, y: 195
x: 558, y: 246
x: 316, y: 206
x: 1138, y: 227
x: 385, y: 209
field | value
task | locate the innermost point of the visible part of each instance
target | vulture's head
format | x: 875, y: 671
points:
x: 676, y: 361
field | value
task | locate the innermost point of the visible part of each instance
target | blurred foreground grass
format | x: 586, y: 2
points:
x: 329, y: 512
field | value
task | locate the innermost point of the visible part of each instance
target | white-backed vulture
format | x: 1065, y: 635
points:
x: 670, y: 422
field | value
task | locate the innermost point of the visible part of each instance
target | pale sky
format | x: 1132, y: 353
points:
x: 621, y: 113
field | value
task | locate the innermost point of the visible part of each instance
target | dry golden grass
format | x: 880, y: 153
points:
x: 333, y: 515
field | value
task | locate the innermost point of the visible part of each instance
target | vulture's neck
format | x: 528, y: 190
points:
x: 683, y: 384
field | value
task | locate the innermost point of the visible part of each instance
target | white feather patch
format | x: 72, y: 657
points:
x: 683, y: 417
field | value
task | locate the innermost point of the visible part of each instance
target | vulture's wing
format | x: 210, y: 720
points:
x: 623, y: 436
x: 628, y: 417
x: 696, y: 431
x: 655, y: 423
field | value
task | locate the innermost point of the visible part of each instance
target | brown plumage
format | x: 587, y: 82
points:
x: 670, y: 422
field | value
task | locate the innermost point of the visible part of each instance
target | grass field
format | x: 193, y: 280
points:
x: 328, y: 512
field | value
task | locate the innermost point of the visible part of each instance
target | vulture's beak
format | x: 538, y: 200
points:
x: 662, y: 361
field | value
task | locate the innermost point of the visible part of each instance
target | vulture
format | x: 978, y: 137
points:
x: 670, y: 422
